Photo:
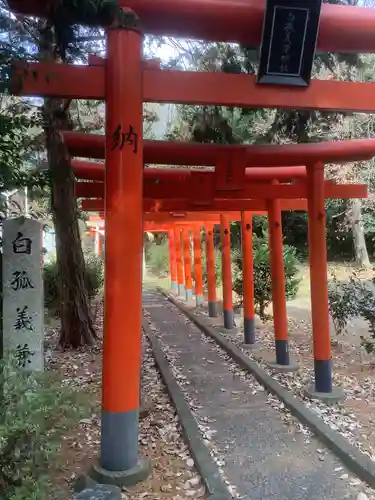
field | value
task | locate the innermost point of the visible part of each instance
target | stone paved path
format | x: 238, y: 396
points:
x: 265, y: 458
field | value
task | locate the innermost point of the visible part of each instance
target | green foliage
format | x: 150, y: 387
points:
x: 94, y: 274
x: 158, y: 259
x: 353, y: 299
x: 343, y: 302
x: 11, y: 143
x: 339, y: 240
x: 35, y: 411
x: 17, y: 158
x: 218, y: 273
x: 94, y: 281
x: 262, y: 274
x: 15, y: 126
x: 339, y: 237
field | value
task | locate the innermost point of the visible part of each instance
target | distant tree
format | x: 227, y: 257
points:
x: 61, y: 38
x: 214, y: 124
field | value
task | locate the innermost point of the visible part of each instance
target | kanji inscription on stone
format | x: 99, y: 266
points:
x: 23, y: 304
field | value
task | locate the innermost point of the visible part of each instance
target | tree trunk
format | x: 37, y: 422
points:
x: 76, y: 323
x: 360, y: 249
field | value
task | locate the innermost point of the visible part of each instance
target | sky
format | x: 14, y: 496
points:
x: 166, y: 52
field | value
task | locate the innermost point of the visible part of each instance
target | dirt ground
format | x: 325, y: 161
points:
x: 354, y: 369
x: 173, y: 473
x: 160, y: 436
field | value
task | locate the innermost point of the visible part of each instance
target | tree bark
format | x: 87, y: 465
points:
x: 360, y: 249
x: 76, y: 323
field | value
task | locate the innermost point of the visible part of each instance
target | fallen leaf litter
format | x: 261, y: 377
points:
x: 174, y: 476
x: 336, y: 416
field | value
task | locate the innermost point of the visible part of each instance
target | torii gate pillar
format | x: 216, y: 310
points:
x: 187, y: 263
x: 180, y: 270
x: 198, y: 275
x: 172, y: 261
x: 210, y: 269
x: 323, y: 387
x: 248, y: 278
x: 226, y: 271
x: 119, y: 460
x: 280, y: 317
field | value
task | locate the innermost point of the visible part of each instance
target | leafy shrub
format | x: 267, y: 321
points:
x: 350, y: 299
x: 94, y: 274
x: 158, y: 259
x: 94, y: 280
x: 35, y: 410
x: 217, y: 267
x: 262, y: 274
x: 342, y: 301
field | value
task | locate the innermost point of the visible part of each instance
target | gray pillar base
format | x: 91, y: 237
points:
x: 199, y: 301
x: 128, y: 477
x: 335, y: 396
x: 189, y: 295
x: 249, y: 331
x: 181, y: 290
x: 174, y: 287
x: 228, y: 319
x: 213, y: 310
x: 291, y: 367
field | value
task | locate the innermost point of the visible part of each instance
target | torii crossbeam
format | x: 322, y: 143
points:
x: 235, y: 21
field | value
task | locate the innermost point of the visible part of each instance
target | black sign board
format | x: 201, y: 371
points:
x: 290, y: 32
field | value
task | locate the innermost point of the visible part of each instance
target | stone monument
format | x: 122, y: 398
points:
x: 23, y: 304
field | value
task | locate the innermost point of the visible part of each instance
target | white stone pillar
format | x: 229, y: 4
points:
x: 23, y: 301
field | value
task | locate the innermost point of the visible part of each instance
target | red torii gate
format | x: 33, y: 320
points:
x: 125, y: 82
x: 197, y: 154
x: 167, y: 183
x: 176, y: 269
x: 159, y: 186
x: 191, y: 221
x: 175, y: 265
x: 94, y: 171
x: 235, y: 21
x: 167, y: 190
x: 276, y: 249
x: 154, y: 209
